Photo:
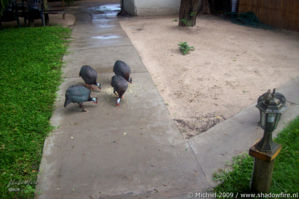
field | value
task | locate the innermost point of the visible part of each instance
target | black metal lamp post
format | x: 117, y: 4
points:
x: 271, y: 106
x: 270, y: 103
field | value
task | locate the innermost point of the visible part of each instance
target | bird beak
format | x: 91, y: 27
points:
x: 99, y: 85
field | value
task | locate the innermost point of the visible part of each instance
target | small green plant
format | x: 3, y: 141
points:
x: 185, y: 48
x: 186, y: 22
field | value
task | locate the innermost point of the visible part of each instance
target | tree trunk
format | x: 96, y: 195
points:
x: 188, y: 12
x: 123, y: 12
x: 205, y: 8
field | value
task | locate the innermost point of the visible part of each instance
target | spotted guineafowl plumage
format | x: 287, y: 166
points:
x: 120, y: 86
x: 122, y: 69
x: 89, y: 75
x: 78, y: 94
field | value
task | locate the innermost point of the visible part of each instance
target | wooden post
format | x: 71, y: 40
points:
x: 263, y: 168
x: 262, y: 176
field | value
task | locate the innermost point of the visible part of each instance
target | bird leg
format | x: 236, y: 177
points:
x: 82, y: 107
x: 114, y: 92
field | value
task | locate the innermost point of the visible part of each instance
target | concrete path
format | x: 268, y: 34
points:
x: 130, y: 151
x: 134, y: 150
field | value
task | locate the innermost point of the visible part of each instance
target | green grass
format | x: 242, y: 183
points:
x: 30, y: 72
x: 286, y: 168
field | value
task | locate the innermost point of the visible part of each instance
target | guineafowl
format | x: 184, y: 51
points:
x: 120, y: 86
x: 89, y: 75
x: 122, y: 69
x: 78, y: 94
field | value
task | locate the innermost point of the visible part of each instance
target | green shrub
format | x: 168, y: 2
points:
x: 185, y: 48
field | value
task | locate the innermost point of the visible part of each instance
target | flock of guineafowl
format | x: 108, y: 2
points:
x: 80, y: 94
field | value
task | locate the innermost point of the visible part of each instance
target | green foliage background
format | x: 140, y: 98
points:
x: 3, y: 4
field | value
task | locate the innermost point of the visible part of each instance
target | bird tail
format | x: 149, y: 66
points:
x: 66, y: 102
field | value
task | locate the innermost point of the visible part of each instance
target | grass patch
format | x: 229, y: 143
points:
x: 30, y: 62
x: 286, y: 169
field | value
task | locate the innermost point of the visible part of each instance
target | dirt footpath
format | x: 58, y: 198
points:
x: 230, y: 67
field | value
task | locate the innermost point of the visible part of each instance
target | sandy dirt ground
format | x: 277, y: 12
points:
x: 230, y: 67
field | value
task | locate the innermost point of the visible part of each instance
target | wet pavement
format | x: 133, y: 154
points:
x: 130, y: 151
x: 133, y: 151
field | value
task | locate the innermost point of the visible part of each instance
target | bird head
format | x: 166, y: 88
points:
x: 94, y: 99
x: 117, y: 102
x: 99, y: 85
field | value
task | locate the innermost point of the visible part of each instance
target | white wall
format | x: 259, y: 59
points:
x: 152, y: 7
